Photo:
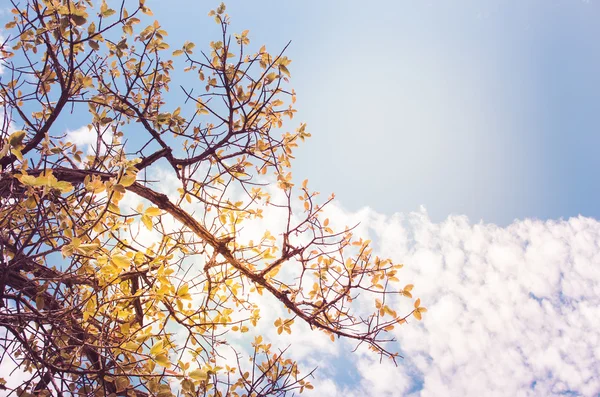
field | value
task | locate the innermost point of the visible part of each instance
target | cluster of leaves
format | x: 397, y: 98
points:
x: 101, y: 299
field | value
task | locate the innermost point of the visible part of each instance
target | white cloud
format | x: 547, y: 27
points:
x: 86, y: 137
x: 512, y: 311
x: 82, y: 136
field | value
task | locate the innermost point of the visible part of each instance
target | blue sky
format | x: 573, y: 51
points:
x: 488, y: 109
x: 483, y: 108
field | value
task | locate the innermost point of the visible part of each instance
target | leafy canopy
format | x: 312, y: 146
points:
x: 112, y: 287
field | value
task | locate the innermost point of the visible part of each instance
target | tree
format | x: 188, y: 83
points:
x: 99, y: 298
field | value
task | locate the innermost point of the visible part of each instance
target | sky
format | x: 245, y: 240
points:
x: 482, y: 108
x: 463, y: 136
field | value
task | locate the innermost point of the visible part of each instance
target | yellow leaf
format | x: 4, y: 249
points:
x: 284, y: 70
x: 17, y: 153
x: 163, y: 361
x: 119, y: 188
x: 274, y: 271
x: 16, y: 138
x: 199, y: 374
x: 96, y: 186
x: 88, y: 247
x: 389, y: 311
x: 183, y: 292
x: 122, y: 383
x: 87, y: 81
x: 127, y: 180
x: 147, y: 221
x: 114, y: 208
x: 157, y: 349
x: 188, y: 47
x: 108, y: 13
x: 152, y: 211
x: 28, y: 180
x: 417, y: 303
x: 417, y: 314
x: 30, y: 203
x: 120, y: 261
x: 4, y: 151
x: 63, y: 186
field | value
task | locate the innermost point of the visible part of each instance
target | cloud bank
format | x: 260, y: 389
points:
x: 512, y: 311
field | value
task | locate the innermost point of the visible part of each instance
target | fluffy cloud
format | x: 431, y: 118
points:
x: 88, y: 138
x: 512, y: 311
